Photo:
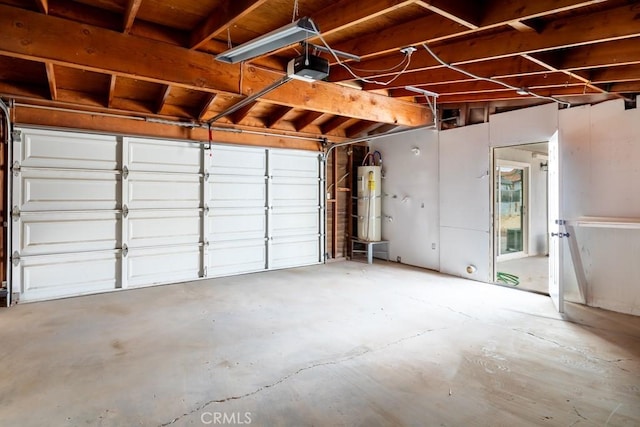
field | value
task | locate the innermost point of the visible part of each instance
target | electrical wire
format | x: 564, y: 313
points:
x: 407, y: 58
x: 488, y: 79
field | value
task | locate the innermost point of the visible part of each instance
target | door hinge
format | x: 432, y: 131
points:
x: 16, y: 135
x: 125, y: 250
x: 206, y: 175
x: 204, y: 272
x: 15, y: 213
x: 125, y: 172
x: 15, y: 258
x: 560, y: 222
x: 125, y: 211
x: 15, y: 168
x: 206, y: 209
x: 560, y: 235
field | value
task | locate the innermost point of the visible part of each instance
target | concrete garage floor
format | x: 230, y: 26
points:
x: 341, y: 344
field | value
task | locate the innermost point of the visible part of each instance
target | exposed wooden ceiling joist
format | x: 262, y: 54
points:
x: 74, y: 45
x: 51, y: 77
x: 564, y: 32
x: 130, y: 14
x: 220, y: 20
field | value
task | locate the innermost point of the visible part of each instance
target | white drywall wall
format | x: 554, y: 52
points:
x: 410, y: 203
x: 465, y: 218
x: 525, y: 126
x: 601, y: 177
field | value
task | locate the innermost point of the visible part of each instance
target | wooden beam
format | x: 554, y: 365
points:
x: 43, y: 6
x: 108, y: 124
x: 303, y: 122
x: 463, y: 12
x: 130, y: 15
x: 242, y: 113
x: 348, y: 13
x: 206, y: 105
x: 605, y: 54
x: 334, y: 123
x: 361, y: 128
x: 622, y: 87
x: 499, y: 12
x: 112, y: 90
x: 164, y: 94
x: 623, y: 73
x: 51, y: 78
x: 62, y: 42
x: 503, y: 67
x: 277, y: 116
x: 508, y: 94
x: 220, y: 20
x: 429, y: 28
x: 564, y: 32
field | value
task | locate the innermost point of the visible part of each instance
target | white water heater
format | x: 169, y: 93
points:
x: 369, y: 203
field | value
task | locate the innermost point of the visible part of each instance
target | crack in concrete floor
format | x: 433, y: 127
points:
x: 299, y: 371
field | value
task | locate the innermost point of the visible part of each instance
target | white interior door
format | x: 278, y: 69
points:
x: 556, y: 228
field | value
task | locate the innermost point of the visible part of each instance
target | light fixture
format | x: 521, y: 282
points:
x: 295, y: 32
x: 522, y: 91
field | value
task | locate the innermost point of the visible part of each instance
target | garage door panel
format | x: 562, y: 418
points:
x: 49, y: 190
x: 237, y: 224
x: 153, y: 228
x: 294, y: 164
x: 230, y: 192
x: 153, y: 266
x: 237, y: 257
x: 68, y: 150
x: 295, y: 251
x: 163, y: 191
x: 163, y: 156
x: 51, y: 233
x: 45, y: 277
x: 291, y: 192
x: 295, y: 222
x: 238, y: 161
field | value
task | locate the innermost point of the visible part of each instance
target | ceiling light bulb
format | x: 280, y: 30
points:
x: 522, y: 91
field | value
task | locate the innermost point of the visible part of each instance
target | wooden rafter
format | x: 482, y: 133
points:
x: 68, y: 43
x: 112, y: 90
x: 463, y: 12
x: 164, y: 94
x: 242, y: 113
x: 361, y: 128
x: 335, y: 123
x: 43, y: 6
x: 563, y: 32
x: 130, y: 15
x: 206, y: 105
x: 305, y: 121
x: 220, y: 20
x: 277, y: 116
x: 605, y: 54
x: 433, y: 28
x: 51, y: 78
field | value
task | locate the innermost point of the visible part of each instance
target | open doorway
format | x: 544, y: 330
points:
x: 520, y: 200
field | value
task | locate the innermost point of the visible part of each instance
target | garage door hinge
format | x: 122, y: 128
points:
x: 16, y: 168
x: 15, y: 258
x: 125, y: 172
x: 204, y: 272
x: 125, y: 211
x: 16, y: 135
x: 206, y: 175
x: 15, y: 213
x: 561, y: 222
x: 125, y: 250
x: 206, y: 209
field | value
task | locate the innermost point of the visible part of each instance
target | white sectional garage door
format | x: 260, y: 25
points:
x: 94, y: 213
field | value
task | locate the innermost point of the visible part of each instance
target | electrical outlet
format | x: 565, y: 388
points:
x: 433, y: 246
